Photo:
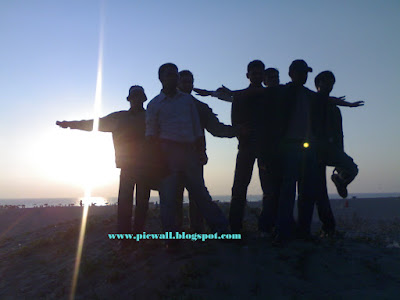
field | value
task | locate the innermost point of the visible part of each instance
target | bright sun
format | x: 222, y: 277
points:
x: 77, y: 157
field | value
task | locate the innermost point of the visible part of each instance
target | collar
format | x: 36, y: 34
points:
x: 164, y: 96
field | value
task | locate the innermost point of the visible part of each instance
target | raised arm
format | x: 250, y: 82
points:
x: 340, y: 101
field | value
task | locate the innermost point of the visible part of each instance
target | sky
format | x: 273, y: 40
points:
x: 49, y: 65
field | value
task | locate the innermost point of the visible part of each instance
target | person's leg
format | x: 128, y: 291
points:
x: 142, y: 206
x: 243, y: 172
x: 270, y: 184
x: 290, y: 164
x: 125, y: 202
x: 194, y: 183
x: 196, y: 218
x: 324, y: 206
x: 169, y: 186
x: 179, y: 205
x: 346, y: 169
x: 310, y: 188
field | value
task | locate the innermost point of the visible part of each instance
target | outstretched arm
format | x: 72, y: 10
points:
x: 106, y: 124
x: 201, y: 92
x: 222, y: 93
x: 86, y: 125
x: 340, y: 101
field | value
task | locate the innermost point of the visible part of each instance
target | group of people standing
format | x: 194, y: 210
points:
x: 292, y: 132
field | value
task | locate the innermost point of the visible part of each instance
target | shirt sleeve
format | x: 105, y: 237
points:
x: 109, y: 123
x: 215, y: 127
x: 152, y: 119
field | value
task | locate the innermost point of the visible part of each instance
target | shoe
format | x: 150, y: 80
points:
x: 340, y: 186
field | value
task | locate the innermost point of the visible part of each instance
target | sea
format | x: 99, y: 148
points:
x: 103, y: 201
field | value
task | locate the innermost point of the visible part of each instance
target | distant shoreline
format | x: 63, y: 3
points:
x: 101, y: 201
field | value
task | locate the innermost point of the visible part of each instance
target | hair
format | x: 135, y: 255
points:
x: 271, y: 70
x: 166, y: 66
x: 255, y: 64
x: 185, y: 73
x: 322, y: 76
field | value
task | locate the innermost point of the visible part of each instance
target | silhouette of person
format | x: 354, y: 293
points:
x: 332, y: 150
x: 271, y: 78
x: 210, y: 122
x: 345, y: 169
x: 172, y: 120
x: 128, y: 133
x: 246, y: 117
x: 298, y: 154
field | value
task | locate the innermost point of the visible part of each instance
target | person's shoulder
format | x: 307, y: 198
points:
x: 310, y: 92
x: 155, y: 100
x: 180, y: 94
x: 200, y: 104
x: 116, y: 114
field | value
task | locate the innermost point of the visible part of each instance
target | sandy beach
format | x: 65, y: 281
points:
x: 38, y: 246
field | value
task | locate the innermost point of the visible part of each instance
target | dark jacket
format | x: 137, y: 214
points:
x: 128, y: 133
x: 246, y: 115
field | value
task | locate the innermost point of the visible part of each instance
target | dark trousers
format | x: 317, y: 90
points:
x: 195, y: 217
x: 185, y: 169
x: 299, y: 165
x: 271, y: 185
x: 322, y: 202
x: 243, y: 172
x: 344, y: 164
x: 128, y: 180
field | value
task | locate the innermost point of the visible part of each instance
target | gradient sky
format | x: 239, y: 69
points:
x: 49, y: 59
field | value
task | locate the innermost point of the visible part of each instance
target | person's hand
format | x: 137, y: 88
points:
x: 224, y: 90
x: 203, y: 158
x: 201, y: 92
x: 357, y: 104
x: 63, y: 124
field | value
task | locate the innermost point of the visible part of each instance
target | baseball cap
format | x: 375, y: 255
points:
x: 299, y: 65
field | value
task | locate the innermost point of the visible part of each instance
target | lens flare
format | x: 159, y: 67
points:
x: 90, y: 181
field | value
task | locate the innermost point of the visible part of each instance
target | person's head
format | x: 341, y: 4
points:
x: 185, y: 83
x: 168, y: 75
x: 324, y: 82
x: 271, y: 77
x: 136, y: 95
x: 298, y: 72
x: 255, y: 72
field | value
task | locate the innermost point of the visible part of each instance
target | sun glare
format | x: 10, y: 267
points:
x: 91, y: 176
x: 77, y: 158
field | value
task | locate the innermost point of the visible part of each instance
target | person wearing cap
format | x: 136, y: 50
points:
x: 298, y: 155
x: 208, y: 121
x: 128, y: 133
x: 173, y: 122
